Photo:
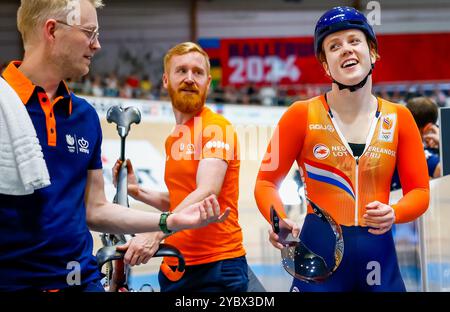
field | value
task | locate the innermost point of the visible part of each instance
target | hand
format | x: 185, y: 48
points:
x: 379, y: 217
x: 197, y: 215
x: 431, y: 136
x: 133, y: 186
x: 141, y: 248
x: 273, y: 237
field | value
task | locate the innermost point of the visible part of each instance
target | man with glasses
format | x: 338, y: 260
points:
x: 92, y: 33
x: 44, y: 237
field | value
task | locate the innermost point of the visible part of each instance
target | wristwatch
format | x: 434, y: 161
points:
x: 163, y: 222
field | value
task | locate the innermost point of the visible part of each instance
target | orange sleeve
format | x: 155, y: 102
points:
x: 412, y: 169
x: 219, y: 140
x: 284, y: 147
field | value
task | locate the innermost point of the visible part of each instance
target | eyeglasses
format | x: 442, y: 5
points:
x: 297, y: 259
x: 92, y: 34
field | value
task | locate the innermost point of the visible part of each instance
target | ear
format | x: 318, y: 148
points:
x: 326, y: 69
x: 426, y: 128
x: 165, y: 81
x: 49, y: 30
x: 373, y: 55
x: 209, y: 82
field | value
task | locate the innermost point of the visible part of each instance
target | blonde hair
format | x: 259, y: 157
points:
x: 33, y: 13
x: 184, y: 48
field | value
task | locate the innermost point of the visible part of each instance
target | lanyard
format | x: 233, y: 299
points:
x: 371, y: 131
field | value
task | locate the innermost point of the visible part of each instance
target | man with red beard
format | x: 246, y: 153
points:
x: 202, y: 159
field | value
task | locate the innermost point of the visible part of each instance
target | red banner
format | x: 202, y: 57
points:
x: 287, y: 61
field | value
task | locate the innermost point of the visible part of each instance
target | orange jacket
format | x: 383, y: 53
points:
x: 334, y: 179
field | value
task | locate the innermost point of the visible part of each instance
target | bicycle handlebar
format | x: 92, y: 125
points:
x: 110, y: 253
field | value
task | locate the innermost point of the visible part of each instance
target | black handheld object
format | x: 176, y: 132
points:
x: 275, y: 220
x: 280, y: 227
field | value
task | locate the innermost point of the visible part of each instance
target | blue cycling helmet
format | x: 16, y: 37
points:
x: 341, y: 18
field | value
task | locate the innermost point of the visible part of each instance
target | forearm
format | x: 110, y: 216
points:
x: 413, y: 171
x: 196, y: 196
x: 266, y: 196
x: 116, y: 219
x: 159, y: 200
x: 210, y: 176
x: 412, y: 205
x: 280, y: 155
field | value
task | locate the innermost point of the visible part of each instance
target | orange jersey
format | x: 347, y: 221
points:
x: 336, y: 180
x: 207, y: 135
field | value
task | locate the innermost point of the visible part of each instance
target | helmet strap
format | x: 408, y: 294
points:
x: 357, y: 86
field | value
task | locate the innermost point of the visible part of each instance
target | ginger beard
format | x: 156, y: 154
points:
x: 187, y: 98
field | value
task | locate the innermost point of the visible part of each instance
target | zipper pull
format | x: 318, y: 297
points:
x: 357, y: 160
